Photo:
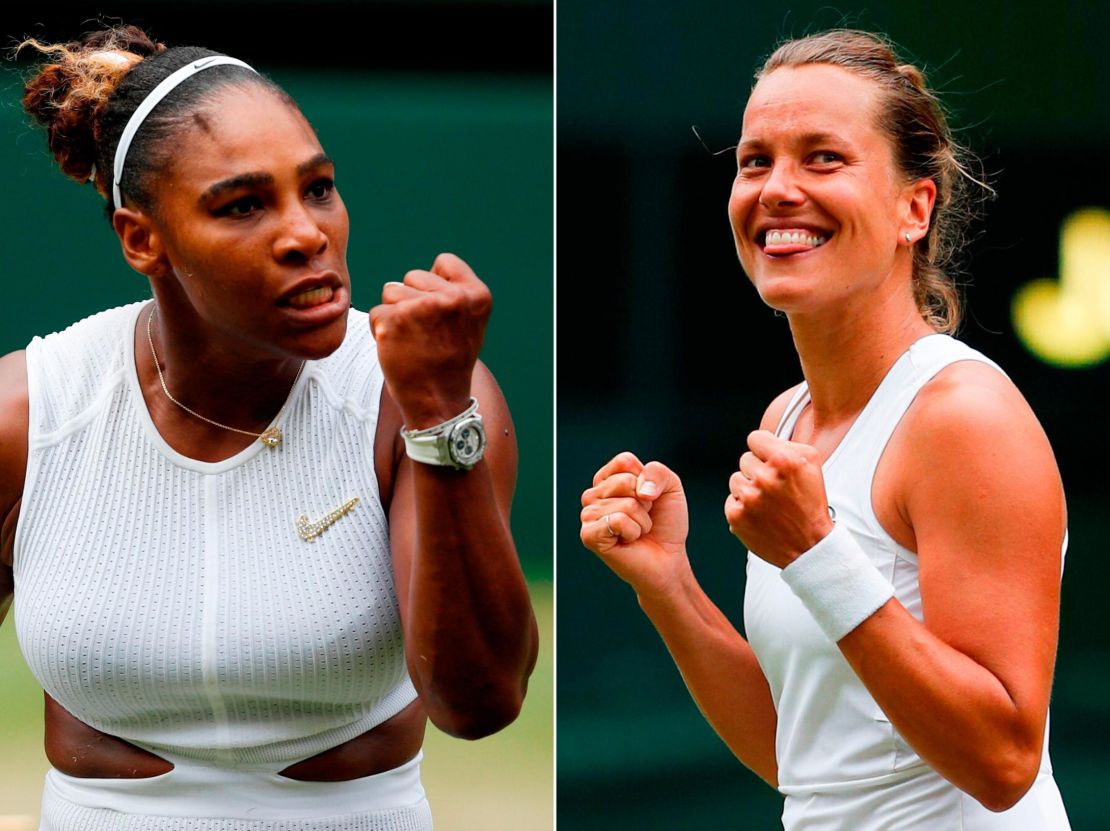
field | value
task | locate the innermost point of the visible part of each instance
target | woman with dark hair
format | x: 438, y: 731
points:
x: 255, y: 539
x: 901, y: 507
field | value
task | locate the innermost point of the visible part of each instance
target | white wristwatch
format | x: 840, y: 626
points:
x: 458, y: 442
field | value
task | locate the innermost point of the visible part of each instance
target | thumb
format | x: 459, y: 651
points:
x: 655, y: 480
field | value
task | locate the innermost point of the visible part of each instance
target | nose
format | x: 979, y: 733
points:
x: 781, y: 187
x: 300, y: 237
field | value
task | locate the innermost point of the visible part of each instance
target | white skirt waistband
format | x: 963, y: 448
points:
x: 203, y: 791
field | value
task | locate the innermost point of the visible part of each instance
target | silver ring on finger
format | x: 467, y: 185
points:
x: 609, y: 527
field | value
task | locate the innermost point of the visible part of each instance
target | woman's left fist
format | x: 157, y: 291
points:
x: 777, y: 504
x: 429, y: 330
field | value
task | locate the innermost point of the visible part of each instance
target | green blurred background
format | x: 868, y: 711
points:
x: 664, y: 349
x: 439, y: 115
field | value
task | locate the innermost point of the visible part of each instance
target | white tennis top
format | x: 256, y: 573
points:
x: 841, y: 764
x: 172, y: 602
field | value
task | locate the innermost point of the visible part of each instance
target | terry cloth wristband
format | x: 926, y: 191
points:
x: 838, y: 583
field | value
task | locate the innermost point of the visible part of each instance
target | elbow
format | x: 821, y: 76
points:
x: 1008, y: 778
x: 476, y: 720
x: 478, y: 703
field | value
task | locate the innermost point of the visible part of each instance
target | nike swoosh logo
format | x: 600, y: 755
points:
x: 309, y: 531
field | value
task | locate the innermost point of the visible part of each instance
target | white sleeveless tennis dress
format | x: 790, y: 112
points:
x: 842, y: 766
x: 173, y: 603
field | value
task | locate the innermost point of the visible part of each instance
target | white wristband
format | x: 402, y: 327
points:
x: 838, y: 583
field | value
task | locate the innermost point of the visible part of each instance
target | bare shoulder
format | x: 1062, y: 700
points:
x: 970, y: 441
x: 971, y: 405
x: 13, y: 423
x: 773, y: 414
x: 13, y: 446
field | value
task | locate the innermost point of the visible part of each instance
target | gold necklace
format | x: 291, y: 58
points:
x: 270, y: 437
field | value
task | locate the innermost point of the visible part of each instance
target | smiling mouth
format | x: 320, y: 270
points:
x: 312, y: 297
x: 781, y: 242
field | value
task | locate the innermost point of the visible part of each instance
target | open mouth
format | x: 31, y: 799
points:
x: 312, y: 297
x: 782, y: 242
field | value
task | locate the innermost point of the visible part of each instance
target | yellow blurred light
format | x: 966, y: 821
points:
x: 1067, y: 323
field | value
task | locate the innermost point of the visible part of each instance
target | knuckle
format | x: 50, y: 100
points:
x: 445, y: 259
x: 628, y: 505
x: 764, y: 480
x: 781, y: 460
x: 624, y: 480
x: 481, y: 302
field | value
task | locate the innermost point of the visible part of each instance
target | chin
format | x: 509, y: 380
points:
x: 784, y: 294
x: 317, y: 343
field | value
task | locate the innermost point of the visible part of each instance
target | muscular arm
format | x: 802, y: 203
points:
x: 13, y: 463
x: 470, y: 635
x: 715, y: 661
x: 978, y: 489
x: 968, y: 481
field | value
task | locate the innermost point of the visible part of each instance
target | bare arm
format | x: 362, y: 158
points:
x: 649, y: 552
x: 982, y: 494
x: 13, y: 463
x: 973, y: 482
x: 470, y: 634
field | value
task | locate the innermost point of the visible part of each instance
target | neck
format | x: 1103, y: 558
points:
x: 845, y: 352
x: 235, y: 386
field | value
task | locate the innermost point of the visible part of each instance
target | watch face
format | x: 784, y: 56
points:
x: 468, y: 442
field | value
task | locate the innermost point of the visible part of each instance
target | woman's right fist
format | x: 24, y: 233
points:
x: 634, y: 518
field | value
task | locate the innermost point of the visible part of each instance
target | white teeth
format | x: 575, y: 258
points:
x: 794, y: 238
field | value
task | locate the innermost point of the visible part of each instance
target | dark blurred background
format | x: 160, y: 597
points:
x: 439, y: 115
x: 665, y: 349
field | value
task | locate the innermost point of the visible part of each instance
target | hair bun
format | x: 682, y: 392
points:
x: 67, y: 94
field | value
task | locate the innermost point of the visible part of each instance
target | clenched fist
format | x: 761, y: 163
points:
x: 429, y: 330
x: 635, y: 519
x: 777, y: 504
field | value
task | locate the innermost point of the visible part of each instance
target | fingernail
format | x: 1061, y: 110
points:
x: 647, y: 488
x: 393, y: 283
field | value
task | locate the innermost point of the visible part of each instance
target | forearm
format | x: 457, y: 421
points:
x: 471, y: 634
x: 953, y: 711
x: 721, y: 672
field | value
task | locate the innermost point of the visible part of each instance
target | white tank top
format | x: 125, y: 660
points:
x: 837, y: 751
x: 171, y: 602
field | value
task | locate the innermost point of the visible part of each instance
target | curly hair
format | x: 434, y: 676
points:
x: 88, y: 91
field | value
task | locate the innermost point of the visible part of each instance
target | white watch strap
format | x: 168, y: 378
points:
x: 429, y: 445
x: 426, y: 449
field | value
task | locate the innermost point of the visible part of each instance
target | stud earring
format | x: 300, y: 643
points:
x: 907, y: 238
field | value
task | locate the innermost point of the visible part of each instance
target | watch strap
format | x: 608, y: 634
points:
x: 429, y: 445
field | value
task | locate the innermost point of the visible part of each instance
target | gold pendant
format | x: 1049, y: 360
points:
x: 271, y: 438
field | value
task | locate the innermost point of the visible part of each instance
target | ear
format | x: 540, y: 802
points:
x: 141, y: 241
x: 920, y: 197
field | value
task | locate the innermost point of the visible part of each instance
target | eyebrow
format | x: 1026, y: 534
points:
x: 254, y: 180
x: 805, y: 139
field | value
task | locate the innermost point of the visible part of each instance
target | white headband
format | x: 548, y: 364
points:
x: 152, y: 101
